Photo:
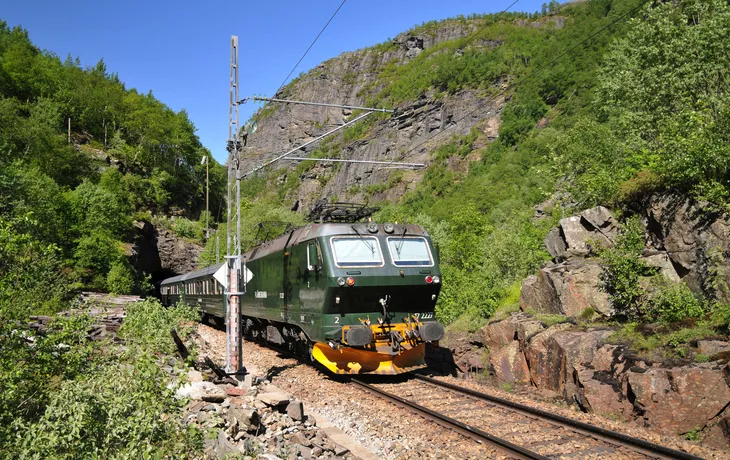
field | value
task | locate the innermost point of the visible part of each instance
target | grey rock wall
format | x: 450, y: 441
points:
x: 347, y: 80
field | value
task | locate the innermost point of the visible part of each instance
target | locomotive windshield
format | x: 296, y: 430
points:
x: 409, y: 252
x: 357, y: 252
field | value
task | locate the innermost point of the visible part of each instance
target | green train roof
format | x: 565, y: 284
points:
x: 302, y: 234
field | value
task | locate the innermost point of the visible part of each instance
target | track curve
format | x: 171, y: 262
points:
x: 521, y: 431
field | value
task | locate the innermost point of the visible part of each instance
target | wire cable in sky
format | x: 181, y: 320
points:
x: 310, y: 47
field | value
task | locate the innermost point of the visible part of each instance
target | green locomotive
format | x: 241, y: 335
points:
x: 358, y: 298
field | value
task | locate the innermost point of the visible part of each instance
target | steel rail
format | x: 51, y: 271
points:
x: 453, y: 424
x: 613, y: 437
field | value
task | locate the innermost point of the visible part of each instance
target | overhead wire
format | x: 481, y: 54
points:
x: 283, y: 83
x: 519, y: 81
x: 309, y: 48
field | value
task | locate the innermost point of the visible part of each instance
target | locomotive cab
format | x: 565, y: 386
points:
x: 383, y: 282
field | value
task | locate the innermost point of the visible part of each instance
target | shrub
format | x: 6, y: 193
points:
x: 622, y: 269
x: 120, y: 279
x: 148, y: 324
x: 121, y: 410
x: 31, y: 367
x: 185, y: 228
x: 720, y: 316
x: 675, y: 302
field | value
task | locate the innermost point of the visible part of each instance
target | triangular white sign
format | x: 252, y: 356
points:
x: 221, y: 275
x: 247, y: 275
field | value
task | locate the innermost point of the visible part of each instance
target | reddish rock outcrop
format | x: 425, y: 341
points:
x: 509, y: 364
x: 607, y: 379
x: 568, y: 288
x: 519, y: 326
x: 679, y: 399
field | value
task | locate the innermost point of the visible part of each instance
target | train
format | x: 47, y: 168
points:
x: 358, y: 298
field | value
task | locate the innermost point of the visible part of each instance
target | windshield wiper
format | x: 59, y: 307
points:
x: 401, y: 242
x: 370, y: 246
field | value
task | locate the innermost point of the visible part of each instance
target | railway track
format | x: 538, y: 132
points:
x: 521, y: 431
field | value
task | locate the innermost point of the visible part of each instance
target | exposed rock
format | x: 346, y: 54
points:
x: 201, y: 391
x: 567, y: 288
x: 340, y: 450
x: 347, y: 79
x: 680, y: 399
x: 161, y: 254
x: 295, y: 410
x: 712, y: 347
x: 244, y: 419
x: 509, y: 364
x: 519, y: 326
x: 602, y: 222
x: 555, y: 243
x: 222, y: 448
x: 601, y: 393
x: 540, y: 359
x: 662, y: 262
x: 538, y: 294
x: 273, y: 396
x: 678, y: 225
x: 718, y: 435
x: 194, y: 376
x: 576, y: 234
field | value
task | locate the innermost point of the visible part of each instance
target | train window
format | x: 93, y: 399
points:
x: 409, y: 252
x: 361, y: 251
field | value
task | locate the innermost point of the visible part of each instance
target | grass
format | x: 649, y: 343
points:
x: 551, y: 320
x: 669, y: 343
x: 470, y: 322
x: 510, y: 304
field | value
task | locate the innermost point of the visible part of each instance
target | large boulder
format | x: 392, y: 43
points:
x: 600, y: 392
x: 568, y: 288
x: 695, y: 241
x: 541, y: 360
x: 663, y: 264
x: 556, y: 355
x: 519, y: 326
x: 679, y: 399
x: 509, y: 364
x: 575, y: 235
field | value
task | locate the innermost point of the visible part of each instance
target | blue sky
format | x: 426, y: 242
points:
x: 180, y: 50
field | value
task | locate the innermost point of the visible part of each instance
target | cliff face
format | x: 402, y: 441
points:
x: 351, y: 79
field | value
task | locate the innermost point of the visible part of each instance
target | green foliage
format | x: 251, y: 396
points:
x: 267, y: 210
x: 148, y: 324
x: 30, y: 374
x: 30, y: 273
x: 675, y: 302
x: 121, y: 410
x: 591, y: 155
x: 120, y: 279
x: 185, y: 228
x: 551, y: 320
x: 720, y: 316
x: 700, y: 358
x: 622, y: 269
x: 663, y: 91
x: 641, y: 338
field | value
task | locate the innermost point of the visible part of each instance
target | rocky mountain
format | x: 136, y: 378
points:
x: 408, y: 135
